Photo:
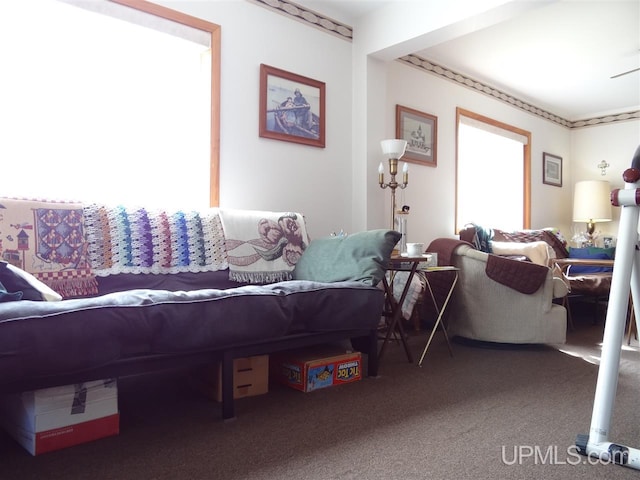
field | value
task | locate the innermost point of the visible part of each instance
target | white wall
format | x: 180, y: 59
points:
x: 616, y: 143
x: 336, y: 187
x: 431, y: 193
x: 266, y: 174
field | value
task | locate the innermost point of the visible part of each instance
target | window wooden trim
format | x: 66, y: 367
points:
x: 526, y: 187
x: 214, y: 30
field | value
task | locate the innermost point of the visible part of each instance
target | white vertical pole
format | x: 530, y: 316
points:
x: 625, y: 279
x: 614, y: 326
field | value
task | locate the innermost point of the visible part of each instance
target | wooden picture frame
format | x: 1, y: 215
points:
x: 551, y: 169
x: 420, y: 130
x: 291, y: 107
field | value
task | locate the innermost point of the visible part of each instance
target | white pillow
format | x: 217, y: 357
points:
x: 537, y: 252
x: 47, y: 292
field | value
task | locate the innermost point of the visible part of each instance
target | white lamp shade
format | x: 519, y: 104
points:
x: 592, y: 201
x: 393, y: 148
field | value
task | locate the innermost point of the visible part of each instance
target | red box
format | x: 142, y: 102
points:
x: 308, y: 370
x: 37, y: 443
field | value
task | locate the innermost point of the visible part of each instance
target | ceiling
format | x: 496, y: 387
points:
x: 559, y: 57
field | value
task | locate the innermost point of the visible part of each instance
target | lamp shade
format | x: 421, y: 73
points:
x: 592, y: 201
x: 393, y: 148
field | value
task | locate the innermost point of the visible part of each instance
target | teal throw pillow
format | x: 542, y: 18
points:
x: 362, y: 257
x: 592, y: 253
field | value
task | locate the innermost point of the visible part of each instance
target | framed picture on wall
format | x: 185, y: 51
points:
x: 420, y: 130
x: 551, y: 169
x: 291, y: 107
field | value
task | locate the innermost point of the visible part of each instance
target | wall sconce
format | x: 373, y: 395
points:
x: 394, y: 149
x: 603, y: 165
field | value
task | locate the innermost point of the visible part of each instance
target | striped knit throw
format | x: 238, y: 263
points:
x: 124, y: 239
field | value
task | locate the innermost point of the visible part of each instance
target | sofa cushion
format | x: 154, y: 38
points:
x: 362, y: 256
x: 592, y: 253
x: 39, y: 340
x: 6, y: 296
x: 16, y: 280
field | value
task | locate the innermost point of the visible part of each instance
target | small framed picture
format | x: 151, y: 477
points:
x: 551, y: 169
x: 291, y: 107
x: 420, y: 130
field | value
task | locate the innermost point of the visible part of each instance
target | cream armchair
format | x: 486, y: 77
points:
x: 492, y: 310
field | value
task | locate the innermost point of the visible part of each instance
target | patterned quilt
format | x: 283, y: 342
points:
x: 47, y: 239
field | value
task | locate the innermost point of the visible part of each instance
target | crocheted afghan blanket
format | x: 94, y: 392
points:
x: 47, y: 239
x: 123, y: 239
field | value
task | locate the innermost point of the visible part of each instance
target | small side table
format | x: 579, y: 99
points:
x: 393, y: 306
x: 439, y: 310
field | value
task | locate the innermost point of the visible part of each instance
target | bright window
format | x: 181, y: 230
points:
x: 492, y: 173
x: 95, y: 108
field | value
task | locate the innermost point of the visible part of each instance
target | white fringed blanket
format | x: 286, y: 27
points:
x: 263, y: 247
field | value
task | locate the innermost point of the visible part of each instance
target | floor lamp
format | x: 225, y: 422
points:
x: 394, y: 150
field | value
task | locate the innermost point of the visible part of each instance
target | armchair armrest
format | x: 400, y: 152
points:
x: 538, y: 252
x: 560, y: 287
x: 487, y: 310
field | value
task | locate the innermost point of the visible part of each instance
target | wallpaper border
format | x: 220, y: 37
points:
x: 333, y: 27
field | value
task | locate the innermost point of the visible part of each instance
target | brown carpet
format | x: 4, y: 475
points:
x: 476, y: 415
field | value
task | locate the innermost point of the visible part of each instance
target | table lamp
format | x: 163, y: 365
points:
x: 591, y: 204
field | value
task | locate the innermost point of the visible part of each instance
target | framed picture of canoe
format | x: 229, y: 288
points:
x: 291, y: 107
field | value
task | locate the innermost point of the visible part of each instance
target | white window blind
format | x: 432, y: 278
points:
x: 490, y: 175
x: 99, y: 109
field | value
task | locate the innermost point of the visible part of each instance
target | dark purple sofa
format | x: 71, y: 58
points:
x: 139, y: 323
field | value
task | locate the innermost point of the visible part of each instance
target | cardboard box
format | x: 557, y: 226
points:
x: 58, y: 417
x: 308, y: 370
x: 250, y: 378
